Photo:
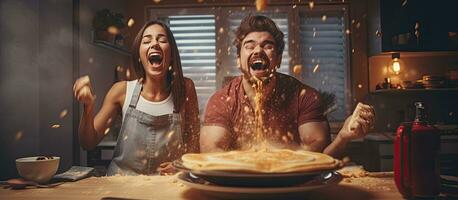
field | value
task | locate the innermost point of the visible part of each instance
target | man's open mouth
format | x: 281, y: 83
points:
x: 258, y: 62
x: 155, y: 58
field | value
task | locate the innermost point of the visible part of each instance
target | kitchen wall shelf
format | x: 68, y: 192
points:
x: 416, y: 54
x: 111, y: 46
x: 107, y: 143
x: 394, y: 91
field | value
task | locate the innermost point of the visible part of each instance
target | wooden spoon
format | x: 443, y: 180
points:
x: 19, y: 183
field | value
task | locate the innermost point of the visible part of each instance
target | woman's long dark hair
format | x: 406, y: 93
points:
x: 174, y: 76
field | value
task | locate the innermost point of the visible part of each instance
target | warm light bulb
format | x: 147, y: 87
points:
x: 396, y: 66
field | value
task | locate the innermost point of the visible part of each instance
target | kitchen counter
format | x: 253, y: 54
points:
x: 167, y: 187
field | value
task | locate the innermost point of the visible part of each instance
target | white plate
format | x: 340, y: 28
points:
x: 324, y: 180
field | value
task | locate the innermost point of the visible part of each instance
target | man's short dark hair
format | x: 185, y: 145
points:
x: 259, y: 23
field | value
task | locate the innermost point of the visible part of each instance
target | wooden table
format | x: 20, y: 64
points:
x: 167, y: 187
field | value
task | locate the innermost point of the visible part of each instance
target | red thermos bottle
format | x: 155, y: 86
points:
x: 416, y: 157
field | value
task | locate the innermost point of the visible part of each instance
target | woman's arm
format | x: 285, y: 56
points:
x: 92, y: 129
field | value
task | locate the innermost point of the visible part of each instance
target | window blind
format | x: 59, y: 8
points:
x: 195, y: 38
x: 323, y: 55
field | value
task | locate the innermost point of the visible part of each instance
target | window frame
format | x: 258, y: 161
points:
x: 221, y: 12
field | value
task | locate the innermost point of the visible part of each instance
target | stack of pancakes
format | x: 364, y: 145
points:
x: 262, y: 161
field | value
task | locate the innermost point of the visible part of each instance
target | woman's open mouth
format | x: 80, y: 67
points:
x: 155, y: 58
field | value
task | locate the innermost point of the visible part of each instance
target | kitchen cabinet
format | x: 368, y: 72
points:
x: 395, y: 106
x: 412, y: 26
x: 378, y: 150
x: 100, y: 157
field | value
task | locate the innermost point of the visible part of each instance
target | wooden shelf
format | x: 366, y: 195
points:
x: 416, y: 90
x: 406, y: 54
x: 107, y: 143
x: 112, y: 46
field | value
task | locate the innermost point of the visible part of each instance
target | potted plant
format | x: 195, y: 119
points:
x: 107, y: 25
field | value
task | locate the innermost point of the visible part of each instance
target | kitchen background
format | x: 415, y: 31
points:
x: 345, y: 47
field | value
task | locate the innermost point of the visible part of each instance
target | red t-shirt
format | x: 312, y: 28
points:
x: 289, y: 105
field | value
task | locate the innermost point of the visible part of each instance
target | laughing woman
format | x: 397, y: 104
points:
x: 159, y: 109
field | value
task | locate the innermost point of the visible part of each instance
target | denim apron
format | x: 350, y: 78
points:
x: 145, y: 141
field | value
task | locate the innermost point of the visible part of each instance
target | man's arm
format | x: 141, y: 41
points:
x: 356, y: 126
x: 214, y: 139
x: 337, y: 148
x: 314, y: 136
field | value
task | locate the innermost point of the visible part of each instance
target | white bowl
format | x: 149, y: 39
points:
x: 40, y: 171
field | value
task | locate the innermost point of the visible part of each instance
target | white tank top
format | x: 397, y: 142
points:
x: 153, y: 108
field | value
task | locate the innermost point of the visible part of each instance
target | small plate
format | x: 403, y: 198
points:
x: 323, y: 180
x: 252, y: 179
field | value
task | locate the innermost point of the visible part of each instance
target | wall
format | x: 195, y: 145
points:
x: 37, y: 73
x: 98, y: 62
x: 35, y: 81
